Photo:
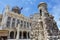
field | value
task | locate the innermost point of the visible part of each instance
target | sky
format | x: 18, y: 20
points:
x: 31, y: 6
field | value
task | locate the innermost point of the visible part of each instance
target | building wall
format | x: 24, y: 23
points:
x: 10, y: 21
x: 45, y: 25
x: 41, y: 26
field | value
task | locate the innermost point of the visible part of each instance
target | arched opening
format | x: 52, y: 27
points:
x: 20, y: 35
x: 24, y: 35
x: 12, y: 35
x: 4, y: 37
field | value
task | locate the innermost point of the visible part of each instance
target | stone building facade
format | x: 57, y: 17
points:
x: 40, y: 26
x: 59, y: 35
x: 44, y: 26
x: 10, y: 20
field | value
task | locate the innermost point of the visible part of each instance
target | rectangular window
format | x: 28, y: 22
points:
x: 8, y: 21
x: 9, y: 18
x: 24, y: 24
x: 30, y: 24
x: 18, y: 22
x: 27, y: 24
x: 13, y: 22
x: 8, y: 24
x: 13, y: 19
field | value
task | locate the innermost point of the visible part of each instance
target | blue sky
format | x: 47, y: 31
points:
x: 30, y: 7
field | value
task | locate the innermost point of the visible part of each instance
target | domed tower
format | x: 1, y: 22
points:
x: 44, y: 15
x: 16, y: 9
x: 42, y: 9
x: 48, y: 21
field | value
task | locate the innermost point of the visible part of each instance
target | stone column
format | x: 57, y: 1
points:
x: 17, y: 38
x: 14, y: 34
x: 2, y: 38
x: 4, y: 22
x: 27, y: 35
x: 23, y: 24
x: 22, y: 35
x: 11, y: 23
x: 26, y: 24
x: 15, y: 22
x: 9, y: 35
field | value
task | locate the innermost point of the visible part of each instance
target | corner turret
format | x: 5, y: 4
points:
x: 43, y: 9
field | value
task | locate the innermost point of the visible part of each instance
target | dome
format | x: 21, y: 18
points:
x: 42, y: 4
x: 16, y: 9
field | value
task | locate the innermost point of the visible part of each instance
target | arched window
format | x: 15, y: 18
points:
x: 20, y: 35
x: 24, y: 35
x: 12, y: 35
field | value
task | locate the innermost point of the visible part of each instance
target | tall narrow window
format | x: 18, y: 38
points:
x: 8, y: 22
x: 9, y: 18
x: 13, y: 22
x: 41, y: 12
x: 28, y: 24
x: 18, y: 22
